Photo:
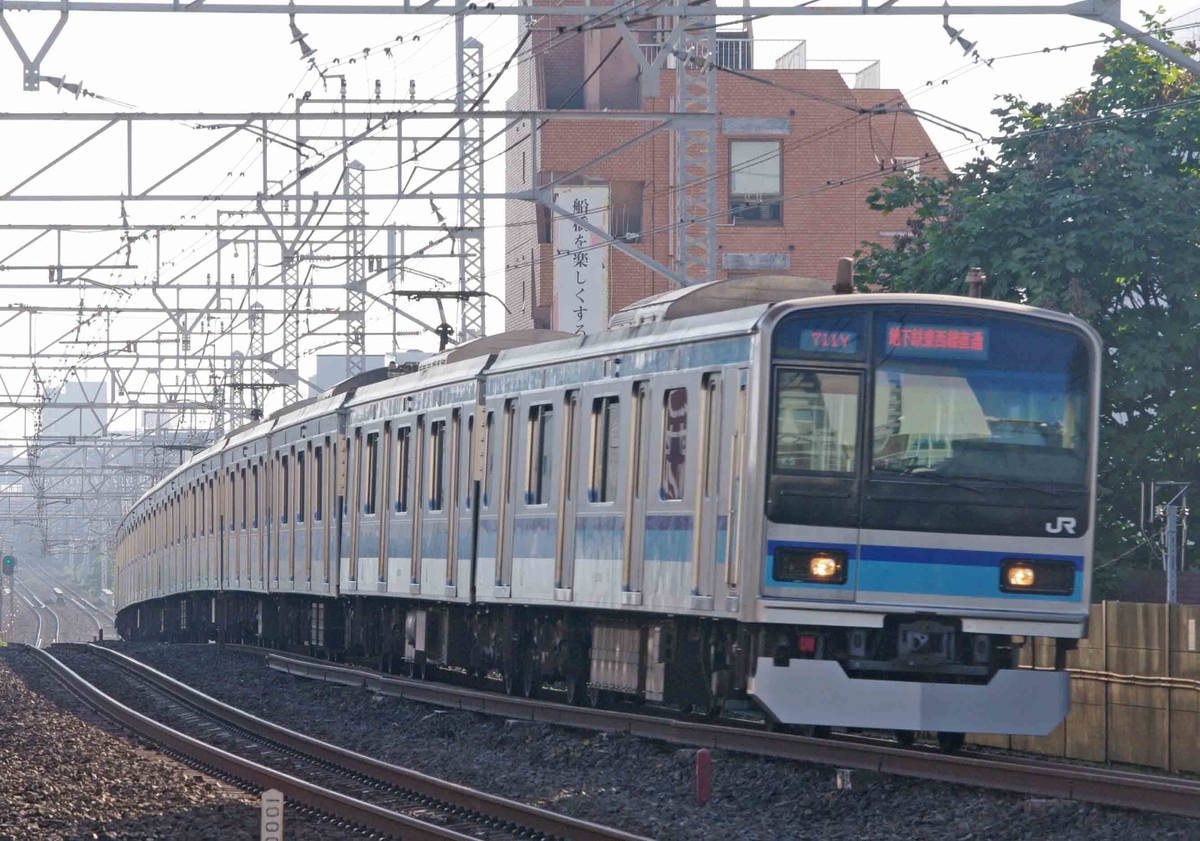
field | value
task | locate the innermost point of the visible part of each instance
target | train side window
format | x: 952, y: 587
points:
x: 285, y: 495
x: 195, y: 509
x: 437, y: 476
x: 301, y: 486
x: 712, y: 444
x: 674, y: 460
x: 254, y: 513
x: 371, y: 489
x: 606, y: 437
x: 572, y: 399
x: 489, y: 463
x: 318, y: 484
x: 212, y: 508
x: 403, y: 449
x: 538, y: 467
x: 245, y: 501
x: 510, y: 431
x: 637, y: 437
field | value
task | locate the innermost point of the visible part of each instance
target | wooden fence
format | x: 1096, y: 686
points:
x: 1135, y: 690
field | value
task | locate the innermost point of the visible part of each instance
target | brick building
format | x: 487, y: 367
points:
x: 795, y: 137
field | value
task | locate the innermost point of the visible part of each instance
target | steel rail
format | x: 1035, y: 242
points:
x: 461, y: 797
x: 357, y: 812
x: 37, y: 640
x: 1124, y: 789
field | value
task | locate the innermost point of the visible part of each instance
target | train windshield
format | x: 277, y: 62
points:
x: 988, y: 400
x: 940, y: 419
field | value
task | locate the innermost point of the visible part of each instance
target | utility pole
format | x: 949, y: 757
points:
x: 1171, y: 517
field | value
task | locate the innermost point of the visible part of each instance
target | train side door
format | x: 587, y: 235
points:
x: 711, y: 533
x: 506, y: 494
x: 635, y: 496
x: 568, y: 497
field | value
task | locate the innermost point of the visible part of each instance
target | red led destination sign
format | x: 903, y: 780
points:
x: 923, y: 340
x: 829, y: 341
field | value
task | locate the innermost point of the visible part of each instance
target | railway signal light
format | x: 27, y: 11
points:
x: 10, y: 565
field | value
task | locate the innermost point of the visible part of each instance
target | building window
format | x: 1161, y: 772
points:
x: 674, y: 463
x: 755, y: 182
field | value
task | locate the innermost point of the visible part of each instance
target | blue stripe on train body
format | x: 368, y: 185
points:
x: 967, y: 573
x: 668, y: 537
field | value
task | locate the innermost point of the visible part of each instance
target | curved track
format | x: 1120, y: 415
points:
x: 1159, y: 793
x: 89, y: 622
x: 363, y: 791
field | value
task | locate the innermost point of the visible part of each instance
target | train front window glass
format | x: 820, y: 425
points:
x: 371, y: 490
x: 816, y: 421
x: 537, y: 486
x: 997, y: 400
x: 674, y: 461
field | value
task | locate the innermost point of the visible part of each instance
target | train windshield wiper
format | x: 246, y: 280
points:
x: 927, y: 473
x: 1025, y: 486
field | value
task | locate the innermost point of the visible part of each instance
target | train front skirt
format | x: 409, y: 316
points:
x: 1019, y: 702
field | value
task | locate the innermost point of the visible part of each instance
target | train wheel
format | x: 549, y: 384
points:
x: 905, y: 738
x: 531, y: 684
x: 576, y: 690
x: 951, y: 742
x: 512, y: 679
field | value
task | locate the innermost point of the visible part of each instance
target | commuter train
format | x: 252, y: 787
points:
x: 853, y: 509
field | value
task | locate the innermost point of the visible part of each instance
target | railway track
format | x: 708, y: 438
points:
x: 1109, y: 787
x: 358, y: 790
x: 46, y: 634
x: 36, y: 606
x: 105, y: 624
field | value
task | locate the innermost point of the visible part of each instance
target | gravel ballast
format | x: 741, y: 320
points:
x: 640, y: 785
x: 67, y: 774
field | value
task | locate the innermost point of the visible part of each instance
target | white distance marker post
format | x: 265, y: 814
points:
x: 271, y: 825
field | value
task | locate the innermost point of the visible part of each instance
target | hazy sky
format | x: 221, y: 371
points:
x: 209, y: 62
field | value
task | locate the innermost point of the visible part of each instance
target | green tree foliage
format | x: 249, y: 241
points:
x: 1090, y: 206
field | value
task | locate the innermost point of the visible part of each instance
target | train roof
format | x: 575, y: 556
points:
x: 719, y: 296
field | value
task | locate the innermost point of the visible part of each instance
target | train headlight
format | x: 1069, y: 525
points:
x: 823, y: 567
x: 1045, y: 578
x: 1020, y: 576
x: 810, y: 565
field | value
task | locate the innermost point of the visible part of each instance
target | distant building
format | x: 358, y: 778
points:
x: 70, y: 412
x: 795, y: 159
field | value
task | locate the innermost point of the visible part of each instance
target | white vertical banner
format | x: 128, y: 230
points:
x: 581, y: 261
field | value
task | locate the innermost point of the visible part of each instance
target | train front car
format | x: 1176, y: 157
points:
x: 928, y: 476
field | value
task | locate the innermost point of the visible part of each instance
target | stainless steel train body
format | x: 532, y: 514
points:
x: 844, y: 507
